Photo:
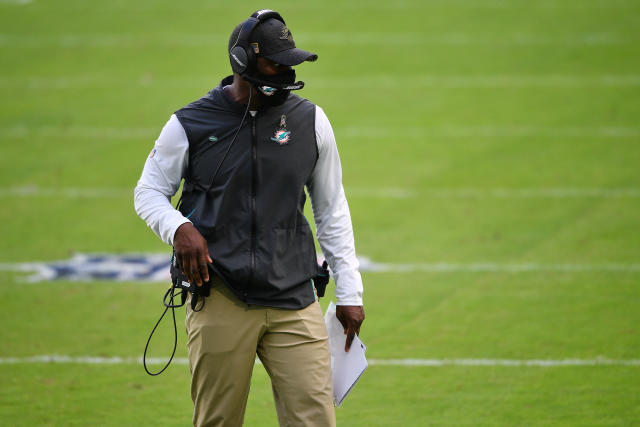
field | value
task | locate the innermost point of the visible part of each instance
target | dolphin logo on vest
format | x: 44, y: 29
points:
x: 282, y: 136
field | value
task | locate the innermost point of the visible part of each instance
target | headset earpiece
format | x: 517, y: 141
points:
x: 239, y: 60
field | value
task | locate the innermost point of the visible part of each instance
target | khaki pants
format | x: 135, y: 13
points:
x: 223, y: 340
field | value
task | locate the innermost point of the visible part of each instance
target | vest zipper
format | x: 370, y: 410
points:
x: 254, y: 184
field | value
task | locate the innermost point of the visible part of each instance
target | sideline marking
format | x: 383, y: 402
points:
x: 542, y: 363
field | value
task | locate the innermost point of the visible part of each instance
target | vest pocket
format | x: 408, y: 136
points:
x: 291, y: 251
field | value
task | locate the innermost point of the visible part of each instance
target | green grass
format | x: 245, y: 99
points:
x: 391, y: 396
x: 425, y: 97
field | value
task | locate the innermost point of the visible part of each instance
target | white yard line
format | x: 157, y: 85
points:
x: 465, y: 39
x: 493, y: 193
x: 360, y: 192
x: 378, y: 82
x: 492, y: 267
x: 81, y: 131
x: 68, y: 192
x: 491, y: 131
x: 363, y: 131
x: 364, y: 38
x: 543, y: 363
x: 505, y: 362
x: 394, y: 6
x: 156, y: 271
x: 483, y: 81
x: 16, y: 2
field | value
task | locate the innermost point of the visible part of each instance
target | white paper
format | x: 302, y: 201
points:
x: 346, y: 367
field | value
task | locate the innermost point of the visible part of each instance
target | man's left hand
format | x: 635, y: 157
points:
x: 351, y: 317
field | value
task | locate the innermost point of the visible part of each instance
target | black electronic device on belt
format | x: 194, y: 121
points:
x: 180, y: 281
x: 322, y: 279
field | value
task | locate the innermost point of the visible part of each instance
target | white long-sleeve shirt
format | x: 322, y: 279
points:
x: 164, y: 170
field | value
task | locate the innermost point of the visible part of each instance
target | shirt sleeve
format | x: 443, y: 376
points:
x: 160, y: 180
x: 332, y: 217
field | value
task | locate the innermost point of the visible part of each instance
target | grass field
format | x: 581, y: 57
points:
x: 491, y: 156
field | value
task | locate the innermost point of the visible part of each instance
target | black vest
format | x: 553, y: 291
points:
x: 252, y: 214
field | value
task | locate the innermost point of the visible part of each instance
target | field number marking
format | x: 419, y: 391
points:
x: 147, y: 268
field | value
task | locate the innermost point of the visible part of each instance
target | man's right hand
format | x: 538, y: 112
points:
x: 193, y: 253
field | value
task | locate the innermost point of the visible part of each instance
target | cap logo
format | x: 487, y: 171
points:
x: 286, y: 34
x: 256, y: 48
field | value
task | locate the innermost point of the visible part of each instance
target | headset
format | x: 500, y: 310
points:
x: 244, y: 59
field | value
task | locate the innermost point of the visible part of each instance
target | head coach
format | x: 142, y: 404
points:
x: 246, y: 152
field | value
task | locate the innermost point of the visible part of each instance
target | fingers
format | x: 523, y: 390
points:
x: 184, y: 266
x: 193, y: 254
x: 204, y: 261
x: 192, y: 270
x: 199, y: 269
x: 194, y: 267
x: 351, y: 318
x: 206, y: 252
x: 350, y: 335
x: 203, y: 269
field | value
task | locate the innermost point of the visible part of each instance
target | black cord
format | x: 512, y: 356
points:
x: 171, y: 290
x: 171, y: 306
x: 232, y: 141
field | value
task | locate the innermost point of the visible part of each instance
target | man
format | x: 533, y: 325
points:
x: 240, y: 229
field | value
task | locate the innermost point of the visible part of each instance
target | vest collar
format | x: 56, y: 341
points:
x: 220, y: 97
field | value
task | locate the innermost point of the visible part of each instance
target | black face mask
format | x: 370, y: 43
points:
x: 273, y: 95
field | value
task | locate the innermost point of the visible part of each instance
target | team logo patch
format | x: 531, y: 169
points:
x: 153, y: 153
x: 282, y: 136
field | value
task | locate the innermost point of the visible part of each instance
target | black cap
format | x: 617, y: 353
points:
x: 273, y: 40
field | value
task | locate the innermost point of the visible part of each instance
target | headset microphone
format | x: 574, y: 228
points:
x: 282, y: 86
